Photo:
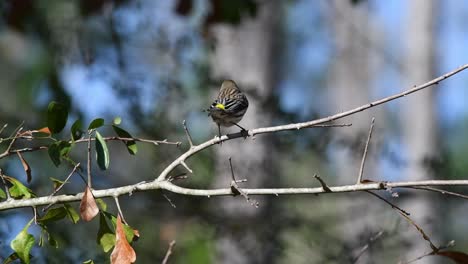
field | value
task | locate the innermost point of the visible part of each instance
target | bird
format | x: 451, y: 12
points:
x: 229, y: 107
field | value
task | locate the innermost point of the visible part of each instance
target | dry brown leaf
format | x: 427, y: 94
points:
x: 88, y: 206
x: 44, y: 130
x: 26, y: 166
x: 136, y: 234
x: 458, y: 257
x: 123, y: 253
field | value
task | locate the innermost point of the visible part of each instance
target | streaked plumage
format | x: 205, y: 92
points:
x: 230, y: 105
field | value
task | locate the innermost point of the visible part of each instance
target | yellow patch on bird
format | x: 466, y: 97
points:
x: 220, y: 106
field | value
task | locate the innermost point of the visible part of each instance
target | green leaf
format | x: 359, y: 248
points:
x: 129, y: 234
x: 102, y: 152
x: 76, y: 130
x: 14, y: 256
x: 59, y: 150
x: 54, y: 154
x: 98, y: 122
x: 90, y: 261
x: 53, y: 214
x: 117, y: 120
x: 71, y: 213
x: 57, y: 183
x: 18, y: 190
x: 57, y: 115
x: 23, y: 243
x: 102, y: 205
x: 131, y: 145
x: 105, y: 236
x: 2, y: 194
x: 44, y: 231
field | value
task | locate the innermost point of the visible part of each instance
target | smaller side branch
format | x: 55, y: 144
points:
x: 88, y: 167
x: 187, y: 133
x: 445, y: 192
x: 61, y: 186
x: 169, y: 252
x: 406, y: 216
x: 332, y: 125
x: 169, y: 201
x: 116, y: 199
x: 364, y: 155
x: 236, y: 190
x: 366, y: 246
x: 389, y: 203
x: 322, y: 182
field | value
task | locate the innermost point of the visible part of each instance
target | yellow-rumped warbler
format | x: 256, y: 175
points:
x: 229, y: 107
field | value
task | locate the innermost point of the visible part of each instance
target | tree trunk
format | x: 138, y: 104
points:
x: 418, y: 116
x: 352, y: 71
x: 244, y: 54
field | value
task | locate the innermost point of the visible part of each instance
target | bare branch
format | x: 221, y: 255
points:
x: 169, y: 186
x: 85, y: 140
x: 298, y: 126
x: 324, y: 185
x: 333, y: 125
x: 13, y: 137
x: 355, y: 110
x: 88, y: 166
x: 186, y: 166
x: 170, y: 201
x: 187, y: 133
x: 389, y: 203
x: 61, y: 186
x: 3, y: 128
x: 236, y: 190
x: 366, y: 246
x: 441, y: 191
x: 169, y: 252
x: 116, y: 199
x: 364, y: 155
x: 162, y: 183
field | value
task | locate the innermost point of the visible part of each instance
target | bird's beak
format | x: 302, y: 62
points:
x: 220, y: 106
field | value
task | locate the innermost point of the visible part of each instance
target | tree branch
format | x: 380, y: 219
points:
x: 168, y: 186
x: 163, y: 183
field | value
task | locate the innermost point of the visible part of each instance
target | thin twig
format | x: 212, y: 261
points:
x: 35, y: 214
x: 364, y: 155
x: 389, y: 203
x: 116, y: 199
x: 61, y: 186
x: 451, y: 243
x: 13, y: 137
x: 421, y: 231
x: 169, y: 200
x: 406, y: 216
x: 236, y: 190
x: 186, y: 166
x: 333, y: 125
x: 32, y: 149
x: 3, y: 128
x: 432, y: 189
x: 354, y: 110
x: 322, y: 182
x: 88, y: 165
x: 187, y: 133
x: 366, y: 246
x: 169, y: 252
x: 177, y: 177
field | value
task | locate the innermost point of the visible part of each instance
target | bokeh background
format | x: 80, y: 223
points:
x: 157, y: 63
